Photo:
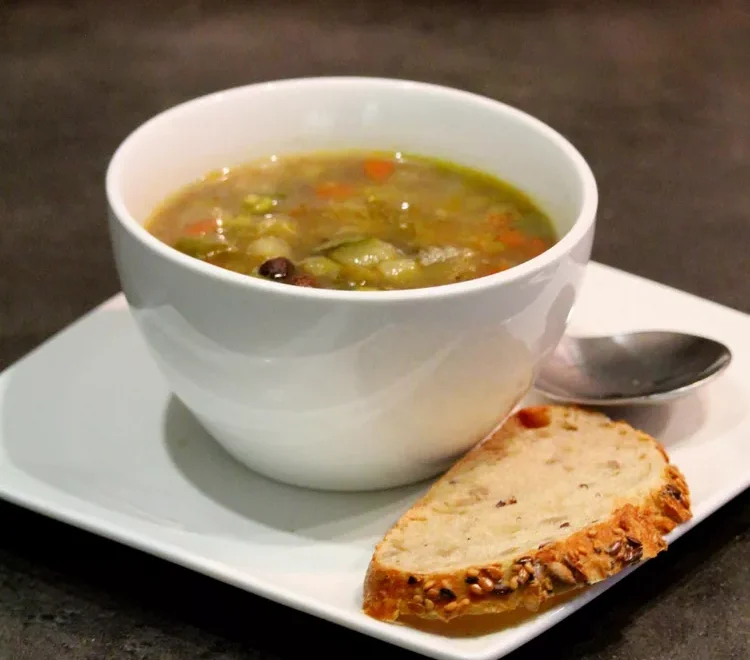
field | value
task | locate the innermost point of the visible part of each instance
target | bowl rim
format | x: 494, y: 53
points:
x: 577, y: 232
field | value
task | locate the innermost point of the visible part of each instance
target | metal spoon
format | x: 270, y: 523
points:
x: 630, y: 368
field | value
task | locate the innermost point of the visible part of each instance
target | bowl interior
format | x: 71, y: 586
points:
x: 240, y: 125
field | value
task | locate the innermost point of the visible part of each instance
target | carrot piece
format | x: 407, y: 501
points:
x: 512, y: 238
x: 200, y: 227
x: 333, y: 190
x: 378, y: 170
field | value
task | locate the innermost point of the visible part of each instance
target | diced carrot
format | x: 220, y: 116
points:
x: 512, y: 238
x: 334, y: 190
x: 200, y: 227
x: 378, y: 170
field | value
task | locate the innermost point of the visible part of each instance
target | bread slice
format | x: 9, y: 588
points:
x: 556, y: 499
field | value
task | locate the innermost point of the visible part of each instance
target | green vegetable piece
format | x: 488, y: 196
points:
x: 401, y: 272
x: 338, y: 241
x: 368, y: 252
x: 269, y: 247
x: 359, y: 275
x: 201, y: 247
x: 258, y: 204
x: 321, y: 267
x: 240, y: 228
x: 241, y: 221
x: 277, y: 225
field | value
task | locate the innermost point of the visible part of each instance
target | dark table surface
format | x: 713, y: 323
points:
x: 657, y: 98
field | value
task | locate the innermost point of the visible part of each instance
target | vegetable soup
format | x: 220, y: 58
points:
x: 354, y: 221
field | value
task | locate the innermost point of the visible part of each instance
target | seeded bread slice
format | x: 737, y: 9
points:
x: 556, y: 499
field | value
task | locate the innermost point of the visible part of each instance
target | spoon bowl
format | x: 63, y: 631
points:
x: 630, y: 368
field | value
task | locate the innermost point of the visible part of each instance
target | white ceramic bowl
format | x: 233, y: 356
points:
x: 347, y: 390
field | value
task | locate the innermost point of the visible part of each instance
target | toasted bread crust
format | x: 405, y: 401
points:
x: 631, y: 534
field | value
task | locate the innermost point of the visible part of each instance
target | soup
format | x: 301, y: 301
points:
x: 365, y: 221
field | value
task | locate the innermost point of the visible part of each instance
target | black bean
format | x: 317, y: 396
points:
x: 278, y: 268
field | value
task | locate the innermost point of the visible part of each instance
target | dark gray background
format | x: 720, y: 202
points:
x: 658, y: 100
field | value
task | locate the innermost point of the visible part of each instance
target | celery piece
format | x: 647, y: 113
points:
x: 319, y: 266
x: 258, y: 204
x: 359, y: 275
x: 401, y: 272
x: 269, y: 247
x: 200, y: 247
x: 277, y: 225
x: 240, y: 227
x: 367, y: 252
x: 338, y: 241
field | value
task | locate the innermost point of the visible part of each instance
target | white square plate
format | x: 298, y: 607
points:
x: 90, y: 435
